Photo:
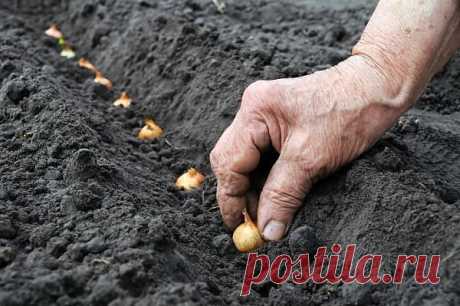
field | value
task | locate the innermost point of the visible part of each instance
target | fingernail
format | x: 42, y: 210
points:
x: 274, y: 230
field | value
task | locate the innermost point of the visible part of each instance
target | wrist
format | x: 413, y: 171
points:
x: 381, y: 85
x: 373, y: 99
x: 406, y: 43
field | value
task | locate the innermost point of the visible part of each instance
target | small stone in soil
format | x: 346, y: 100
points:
x: 16, y: 91
x: 303, y: 239
x: 82, y: 166
x: 222, y: 243
x: 96, y: 245
x: 7, y: 230
x: 7, y: 255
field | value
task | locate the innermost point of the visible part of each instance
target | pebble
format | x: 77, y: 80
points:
x: 104, y: 291
x: 6, y: 69
x: 7, y: 230
x: 81, y: 198
x: 96, y: 245
x: 56, y: 246
x: 303, y: 240
x: 16, y: 90
x: 77, y: 251
x: 389, y: 160
x: 7, y: 255
x: 223, y: 243
x: 82, y: 166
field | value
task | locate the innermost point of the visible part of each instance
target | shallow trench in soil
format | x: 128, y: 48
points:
x: 89, y: 214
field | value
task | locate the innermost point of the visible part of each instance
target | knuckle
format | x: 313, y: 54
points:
x: 257, y: 85
x: 219, y: 164
x: 231, y: 214
x: 254, y: 93
x: 218, y: 158
x: 214, y: 159
x: 234, y: 184
x: 283, y: 199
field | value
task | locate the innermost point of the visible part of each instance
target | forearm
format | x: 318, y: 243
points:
x: 408, y: 41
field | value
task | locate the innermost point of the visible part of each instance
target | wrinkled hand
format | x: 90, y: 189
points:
x: 319, y: 122
x: 316, y: 123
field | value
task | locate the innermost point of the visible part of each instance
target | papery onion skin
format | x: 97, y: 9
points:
x: 123, y: 101
x: 67, y: 52
x: 148, y: 134
x: 190, y: 180
x: 54, y: 32
x: 102, y: 80
x: 246, y: 236
x: 150, y: 131
x: 84, y: 63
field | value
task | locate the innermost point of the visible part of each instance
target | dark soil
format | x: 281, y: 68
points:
x: 89, y: 215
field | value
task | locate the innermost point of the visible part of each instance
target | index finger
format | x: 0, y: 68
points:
x: 235, y: 156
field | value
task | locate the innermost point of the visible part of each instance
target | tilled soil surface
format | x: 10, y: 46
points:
x: 89, y: 215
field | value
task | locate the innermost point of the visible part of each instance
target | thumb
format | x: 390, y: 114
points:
x: 281, y: 197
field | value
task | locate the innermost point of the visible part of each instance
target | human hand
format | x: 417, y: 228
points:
x: 321, y: 121
x: 316, y: 123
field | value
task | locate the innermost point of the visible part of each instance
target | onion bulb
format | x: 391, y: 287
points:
x: 123, y: 101
x: 67, y: 52
x: 53, y: 31
x: 150, y: 131
x: 102, y: 80
x: 84, y: 63
x: 246, y: 236
x: 190, y: 180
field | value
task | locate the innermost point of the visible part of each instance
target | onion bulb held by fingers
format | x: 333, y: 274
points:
x: 246, y: 236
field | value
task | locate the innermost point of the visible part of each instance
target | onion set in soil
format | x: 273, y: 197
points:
x: 190, y: 180
x: 123, y: 101
x: 99, y: 78
x: 66, y: 50
x: 102, y: 80
x: 84, y: 63
x: 150, y: 130
x: 54, y: 32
